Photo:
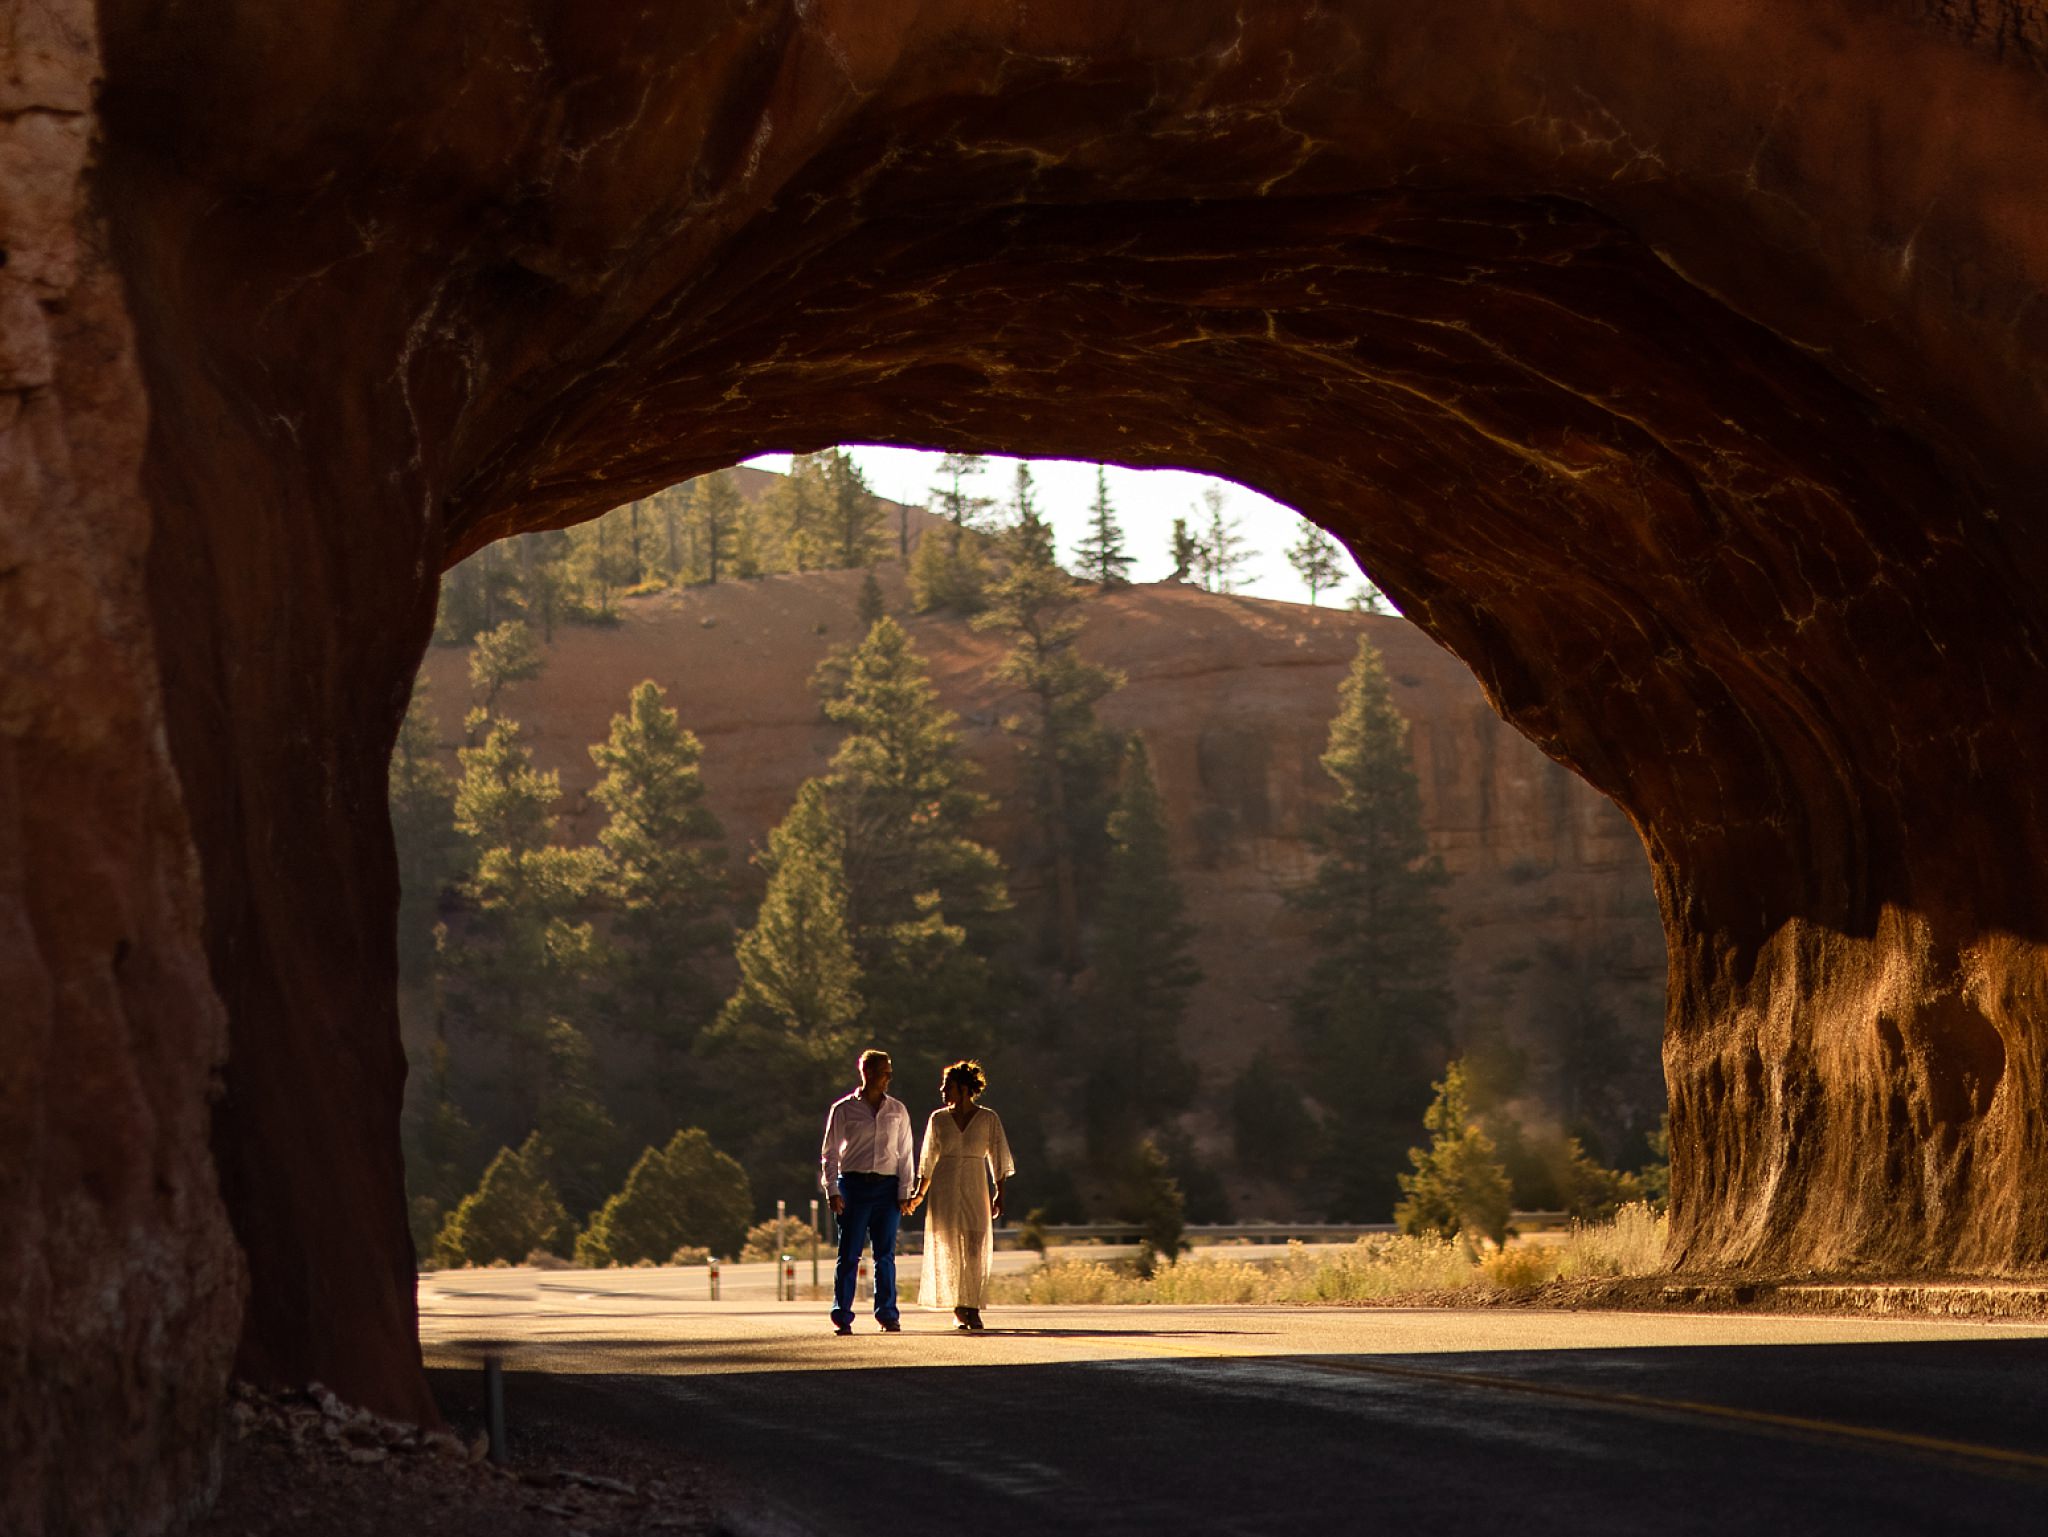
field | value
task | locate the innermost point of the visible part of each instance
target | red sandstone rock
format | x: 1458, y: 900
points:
x: 1678, y: 364
x: 120, y: 1288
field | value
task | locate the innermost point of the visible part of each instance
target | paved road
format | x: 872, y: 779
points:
x: 1294, y: 1420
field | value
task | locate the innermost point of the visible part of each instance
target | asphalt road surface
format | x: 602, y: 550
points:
x: 1282, y: 1420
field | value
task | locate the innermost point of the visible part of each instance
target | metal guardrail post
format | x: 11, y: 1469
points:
x: 814, y: 1245
x: 494, y: 1407
x: 714, y: 1278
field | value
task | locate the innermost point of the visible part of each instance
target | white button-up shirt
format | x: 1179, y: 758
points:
x: 859, y: 1138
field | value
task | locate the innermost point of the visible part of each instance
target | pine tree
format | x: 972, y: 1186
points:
x: 580, y: 1140
x: 1223, y: 556
x: 1187, y: 551
x: 1274, y: 1134
x: 1070, y: 758
x: 1374, y: 1010
x: 601, y: 564
x: 796, y: 515
x: 1458, y: 1185
x: 798, y: 977
x: 1152, y: 1198
x: 513, y: 1212
x: 952, y: 501
x: 1317, y: 559
x: 945, y: 577
x: 547, y: 588
x: 791, y: 1020
x: 921, y: 893
x: 852, y: 511
x: 665, y: 880
x: 440, y: 1148
x: 1104, y: 557
x: 687, y: 1193
x: 1024, y: 499
x: 517, y: 961
x: 1143, y: 972
x: 872, y: 605
x: 507, y: 654
x: 1368, y: 599
x: 422, y: 800
x: 717, y: 506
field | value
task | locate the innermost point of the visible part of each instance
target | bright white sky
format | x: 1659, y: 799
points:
x: 1146, y: 502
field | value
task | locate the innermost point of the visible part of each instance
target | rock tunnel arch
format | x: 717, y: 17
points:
x: 1677, y: 367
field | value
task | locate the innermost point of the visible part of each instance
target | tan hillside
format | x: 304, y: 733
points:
x: 1551, y: 892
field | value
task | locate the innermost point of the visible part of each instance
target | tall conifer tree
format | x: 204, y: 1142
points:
x: 1104, y: 556
x: 1071, y: 758
x: 1374, y: 1010
x: 1143, y: 970
x: 422, y: 800
x: 1317, y: 559
x: 1224, y: 553
x: 853, y: 513
x: 717, y: 508
x: 790, y: 1022
x: 519, y: 959
x: 665, y: 876
x: 922, y: 893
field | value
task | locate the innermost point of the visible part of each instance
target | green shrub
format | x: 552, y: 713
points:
x: 1592, y: 1192
x: 1459, y: 1184
x: 686, y: 1193
x: 1520, y: 1267
x: 511, y: 1213
x: 766, y: 1241
x: 1153, y: 1198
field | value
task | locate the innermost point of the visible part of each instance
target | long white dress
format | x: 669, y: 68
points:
x: 959, y: 1230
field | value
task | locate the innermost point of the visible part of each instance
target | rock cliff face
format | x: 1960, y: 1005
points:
x: 1550, y: 894
x: 120, y: 1289
x: 1677, y: 364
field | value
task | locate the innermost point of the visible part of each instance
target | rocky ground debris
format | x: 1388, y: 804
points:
x: 306, y: 1463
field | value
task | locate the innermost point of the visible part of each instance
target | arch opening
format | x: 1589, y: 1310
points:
x: 1553, y: 982
x: 1678, y: 371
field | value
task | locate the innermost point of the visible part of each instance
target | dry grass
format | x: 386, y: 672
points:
x: 1632, y: 1244
x: 1377, y: 1269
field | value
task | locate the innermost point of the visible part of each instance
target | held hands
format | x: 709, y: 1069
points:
x: 996, y: 1206
x: 838, y: 1205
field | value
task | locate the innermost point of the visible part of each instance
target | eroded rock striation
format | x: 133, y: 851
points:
x: 1678, y: 364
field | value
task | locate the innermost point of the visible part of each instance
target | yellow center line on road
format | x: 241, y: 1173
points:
x: 2001, y: 1458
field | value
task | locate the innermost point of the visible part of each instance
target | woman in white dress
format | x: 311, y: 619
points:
x: 964, y: 1149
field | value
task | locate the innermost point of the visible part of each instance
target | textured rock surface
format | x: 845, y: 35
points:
x: 1550, y: 895
x: 120, y: 1288
x: 1676, y: 363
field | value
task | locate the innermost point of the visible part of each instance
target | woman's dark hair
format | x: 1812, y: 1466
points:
x: 968, y: 1074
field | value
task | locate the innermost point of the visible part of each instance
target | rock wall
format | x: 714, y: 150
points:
x: 1678, y: 364
x: 120, y: 1287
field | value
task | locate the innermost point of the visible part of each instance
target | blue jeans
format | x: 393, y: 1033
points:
x: 873, y: 1210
